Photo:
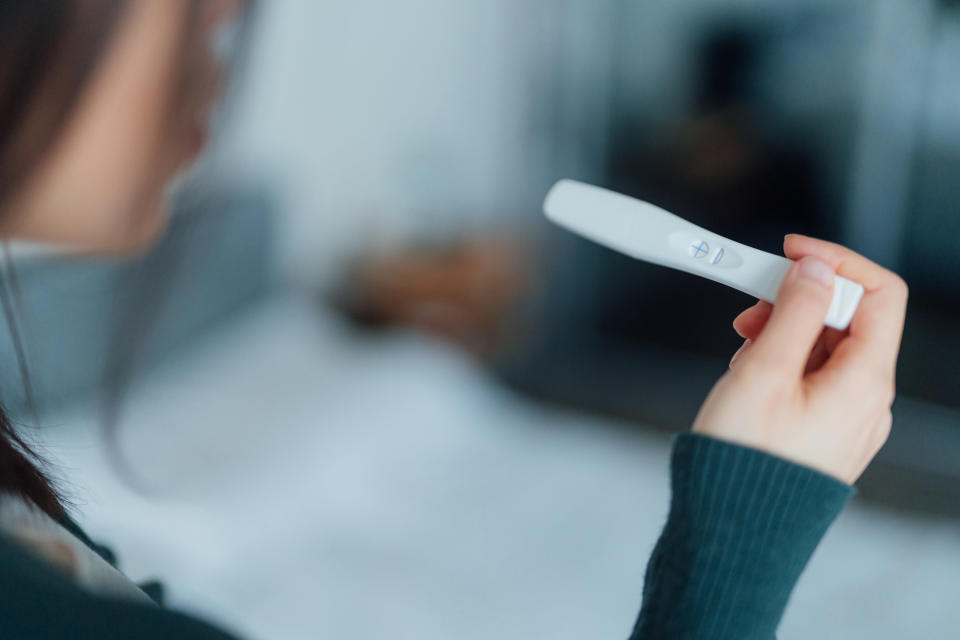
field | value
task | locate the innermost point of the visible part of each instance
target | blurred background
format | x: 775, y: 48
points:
x: 363, y: 390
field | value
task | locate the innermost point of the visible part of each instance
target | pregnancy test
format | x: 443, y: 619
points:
x: 646, y: 232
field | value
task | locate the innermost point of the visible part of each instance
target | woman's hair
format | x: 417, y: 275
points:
x: 50, y: 49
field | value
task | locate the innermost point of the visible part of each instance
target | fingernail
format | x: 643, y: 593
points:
x: 816, y: 270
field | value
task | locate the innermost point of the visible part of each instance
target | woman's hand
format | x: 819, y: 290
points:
x: 814, y: 396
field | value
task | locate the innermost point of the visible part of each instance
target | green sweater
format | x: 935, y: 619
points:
x: 741, y: 528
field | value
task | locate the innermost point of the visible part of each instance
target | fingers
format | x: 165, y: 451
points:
x: 749, y: 325
x: 751, y: 322
x: 845, y: 262
x: 825, y: 348
x: 819, y: 355
x: 746, y: 345
x: 796, y: 323
x: 878, y: 324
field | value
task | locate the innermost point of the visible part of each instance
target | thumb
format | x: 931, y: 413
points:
x: 797, y: 320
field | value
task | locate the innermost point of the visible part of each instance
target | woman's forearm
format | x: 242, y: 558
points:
x: 742, y: 527
x: 743, y: 524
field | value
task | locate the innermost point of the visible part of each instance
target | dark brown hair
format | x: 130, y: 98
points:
x: 50, y: 49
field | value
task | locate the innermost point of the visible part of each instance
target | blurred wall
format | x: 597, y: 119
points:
x: 378, y: 122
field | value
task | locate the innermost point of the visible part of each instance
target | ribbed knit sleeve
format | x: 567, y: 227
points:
x: 742, y: 527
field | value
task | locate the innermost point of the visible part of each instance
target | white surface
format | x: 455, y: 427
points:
x: 313, y: 483
x: 647, y: 232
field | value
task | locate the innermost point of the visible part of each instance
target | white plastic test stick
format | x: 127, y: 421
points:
x: 646, y: 232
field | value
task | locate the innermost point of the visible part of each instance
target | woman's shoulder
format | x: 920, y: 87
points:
x: 39, y: 599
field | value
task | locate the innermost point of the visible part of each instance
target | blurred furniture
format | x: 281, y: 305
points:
x: 84, y: 319
x: 309, y: 480
x: 835, y: 119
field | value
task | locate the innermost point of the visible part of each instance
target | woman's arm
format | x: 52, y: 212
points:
x: 782, y: 437
x: 742, y: 527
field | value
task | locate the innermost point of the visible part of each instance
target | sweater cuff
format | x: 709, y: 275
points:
x: 742, y: 526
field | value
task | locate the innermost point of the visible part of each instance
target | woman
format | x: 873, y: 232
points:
x: 102, y: 102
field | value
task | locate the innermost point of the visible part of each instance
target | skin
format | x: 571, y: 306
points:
x: 102, y: 188
x: 819, y: 398
x: 815, y: 396
x: 140, y: 122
